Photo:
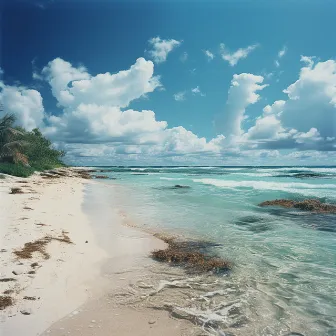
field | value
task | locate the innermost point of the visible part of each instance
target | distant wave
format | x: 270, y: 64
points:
x: 255, y: 174
x: 299, y: 169
x: 171, y: 178
x: 318, y: 190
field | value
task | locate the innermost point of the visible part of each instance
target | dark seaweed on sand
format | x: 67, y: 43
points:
x: 192, y: 255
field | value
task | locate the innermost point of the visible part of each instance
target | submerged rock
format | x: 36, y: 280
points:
x: 310, y: 205
x: 178, y: 186
x: 101, y: 177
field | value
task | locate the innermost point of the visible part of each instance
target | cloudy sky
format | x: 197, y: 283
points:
x: 228, y: 82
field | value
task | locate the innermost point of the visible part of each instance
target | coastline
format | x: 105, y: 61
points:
x: 60, y: 280
x: 76, y: 281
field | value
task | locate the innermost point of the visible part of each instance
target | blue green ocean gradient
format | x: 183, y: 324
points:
x: 287, y: 255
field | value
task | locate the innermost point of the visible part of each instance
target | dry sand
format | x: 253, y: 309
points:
x: 73, y: 288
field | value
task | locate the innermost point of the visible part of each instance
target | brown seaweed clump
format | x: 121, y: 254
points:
x: 192, y: 255
x: 5, y: 301
x: 16, y: 191
x: 39, y: 246
x: 311, y: 205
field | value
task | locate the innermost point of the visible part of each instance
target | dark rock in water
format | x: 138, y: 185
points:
x: 101, y: 177
x: 254, y: 224
x: 178, y: 186
x: 175, y: 187
x: 310, y: 205
x: 304, y: 175
x: 191, y: 255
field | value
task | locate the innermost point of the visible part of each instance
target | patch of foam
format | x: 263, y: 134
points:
x: 319, y: 190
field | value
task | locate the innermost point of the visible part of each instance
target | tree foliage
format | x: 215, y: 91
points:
x: 22, y: 152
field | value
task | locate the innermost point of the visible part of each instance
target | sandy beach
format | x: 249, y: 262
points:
x: 66, y: 257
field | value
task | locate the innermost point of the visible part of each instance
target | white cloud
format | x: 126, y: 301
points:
x: 161, y: 48
x: 309, y: 60
x: 281, y: 54
x: 73, y: 86
x: 210, y: 56
x: 180, y: 96
x: 242, y: 93
x: 95, y: 112
x: 184, y: 57
x: 307, y: 119
x: 26, y: 104
x: 234, y: 57
x: 197, y: 91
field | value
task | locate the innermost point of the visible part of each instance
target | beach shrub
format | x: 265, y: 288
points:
x: 41, y: 155
x: 16, y: 169
x: 23, y: 152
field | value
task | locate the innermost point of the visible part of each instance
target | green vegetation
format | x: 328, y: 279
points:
x: 22, y: 152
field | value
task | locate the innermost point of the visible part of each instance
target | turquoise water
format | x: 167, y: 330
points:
x: 284, y: 259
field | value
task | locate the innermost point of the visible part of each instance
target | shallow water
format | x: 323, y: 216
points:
x: 285, y: 260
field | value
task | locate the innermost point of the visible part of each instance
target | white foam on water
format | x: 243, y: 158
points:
x: 171, y: 178
x: 314, y: 170
x: 139, y: 169
x: 254, y: 174
x: 319, y: 190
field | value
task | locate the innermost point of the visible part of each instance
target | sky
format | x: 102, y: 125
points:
x: 230, y: 82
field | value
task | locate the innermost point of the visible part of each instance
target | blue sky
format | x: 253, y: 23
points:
x: 200, y: 91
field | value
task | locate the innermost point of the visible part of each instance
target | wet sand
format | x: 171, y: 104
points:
x: 82, y: 288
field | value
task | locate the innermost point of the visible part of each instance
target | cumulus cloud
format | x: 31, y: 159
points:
x: 161, y: 48
x: 72, y: 86
x: 95, y: 112
x: 242, y: 93
x: 234, y: 57
x: 210, y: 56
x: 26, y: 104
x: 307, y: 119
x: 179, y: 96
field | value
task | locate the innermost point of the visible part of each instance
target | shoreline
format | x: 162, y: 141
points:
x: 45, y: 286
x: 77, y: 276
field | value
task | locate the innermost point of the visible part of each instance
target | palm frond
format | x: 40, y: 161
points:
x: 18, y: 144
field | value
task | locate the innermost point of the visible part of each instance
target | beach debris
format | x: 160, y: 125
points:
x: 151, y: 321
x: 39, y: 246
x: 192, y: 255
x: 5, y: 301
x: 3, y: 250
x: 18, y: 271
x: 7, y: 279
x: 86, y: 241
x: 8, y: 291
x: 27, y: 208
x: 310, y: 205
x: 26, y: 311
x: 16, y: 191
x: 34, y: 264
x: 30, y: 298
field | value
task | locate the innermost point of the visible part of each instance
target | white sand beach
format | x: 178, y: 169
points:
x: 65, y: 287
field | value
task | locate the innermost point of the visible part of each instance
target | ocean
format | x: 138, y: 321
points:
x: 283, y: 278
